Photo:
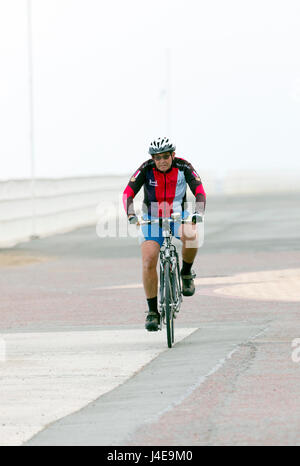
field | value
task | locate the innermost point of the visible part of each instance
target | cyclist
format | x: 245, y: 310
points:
x: 165, y: 178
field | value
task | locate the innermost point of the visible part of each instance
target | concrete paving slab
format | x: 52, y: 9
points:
x: 46, y: 376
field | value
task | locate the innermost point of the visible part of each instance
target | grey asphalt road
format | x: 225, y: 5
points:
x: 231, y: 382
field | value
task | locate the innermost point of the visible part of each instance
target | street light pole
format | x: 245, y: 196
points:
x: 168, y: 96
x: 31, y: 119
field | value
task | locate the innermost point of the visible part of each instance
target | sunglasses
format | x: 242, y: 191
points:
x: 159, y: 157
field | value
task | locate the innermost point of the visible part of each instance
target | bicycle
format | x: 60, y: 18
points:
x: 170, y: 279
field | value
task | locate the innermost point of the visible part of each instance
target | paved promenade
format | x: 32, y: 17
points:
x: 78, y: 368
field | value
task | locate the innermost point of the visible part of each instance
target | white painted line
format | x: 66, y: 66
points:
x: 132, y: 286
x: 47, y: 376
x: 277, y: 285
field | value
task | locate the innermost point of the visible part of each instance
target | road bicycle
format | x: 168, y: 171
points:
x: 170, y: 287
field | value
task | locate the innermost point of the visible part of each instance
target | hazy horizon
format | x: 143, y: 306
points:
x: 100, y: 85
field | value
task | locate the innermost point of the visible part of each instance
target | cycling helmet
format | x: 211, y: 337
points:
x: 161, y: 145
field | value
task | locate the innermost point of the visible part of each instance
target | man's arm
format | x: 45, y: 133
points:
x: 196, y: 186
x: 135, y: 183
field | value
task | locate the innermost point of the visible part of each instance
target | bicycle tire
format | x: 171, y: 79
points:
x: 169, y: 310
x: 178, y: 277
x: 176, y: 287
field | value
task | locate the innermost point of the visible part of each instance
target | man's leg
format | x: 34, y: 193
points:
x: 188, y: 236
x: 150, y: 253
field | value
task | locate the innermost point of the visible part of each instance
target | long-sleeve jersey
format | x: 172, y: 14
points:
x: 164, y: 192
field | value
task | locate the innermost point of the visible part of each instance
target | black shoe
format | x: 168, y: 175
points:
x: 152, y: 321
x: 188, y: 285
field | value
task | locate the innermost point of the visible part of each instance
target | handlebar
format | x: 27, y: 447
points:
x: 175, y: 218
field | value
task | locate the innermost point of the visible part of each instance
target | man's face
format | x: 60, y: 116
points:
x: 163, y: 161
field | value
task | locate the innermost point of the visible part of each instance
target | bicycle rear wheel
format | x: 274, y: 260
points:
x: 169, y: 307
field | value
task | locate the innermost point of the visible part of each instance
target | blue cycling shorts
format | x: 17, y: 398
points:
x: 154, y: 232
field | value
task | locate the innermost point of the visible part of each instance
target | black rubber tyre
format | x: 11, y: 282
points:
x: 169, y: 313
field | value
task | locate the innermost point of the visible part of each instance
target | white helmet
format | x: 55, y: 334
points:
x: 161, y: 145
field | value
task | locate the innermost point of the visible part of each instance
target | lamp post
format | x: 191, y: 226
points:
x: 31, y: 120
x: 168, y: 96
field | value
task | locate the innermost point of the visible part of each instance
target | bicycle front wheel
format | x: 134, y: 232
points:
x: 169, y: 307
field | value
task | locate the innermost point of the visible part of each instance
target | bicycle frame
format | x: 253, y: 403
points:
x: 169, y: 257
x: 170, y: 281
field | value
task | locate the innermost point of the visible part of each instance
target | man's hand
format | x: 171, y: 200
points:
x: 133, y: 220
x: 197, y: 218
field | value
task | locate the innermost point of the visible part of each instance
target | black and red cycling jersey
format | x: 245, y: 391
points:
x: 164, y: 192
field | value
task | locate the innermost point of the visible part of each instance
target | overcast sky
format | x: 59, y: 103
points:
x: 100, y: 81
